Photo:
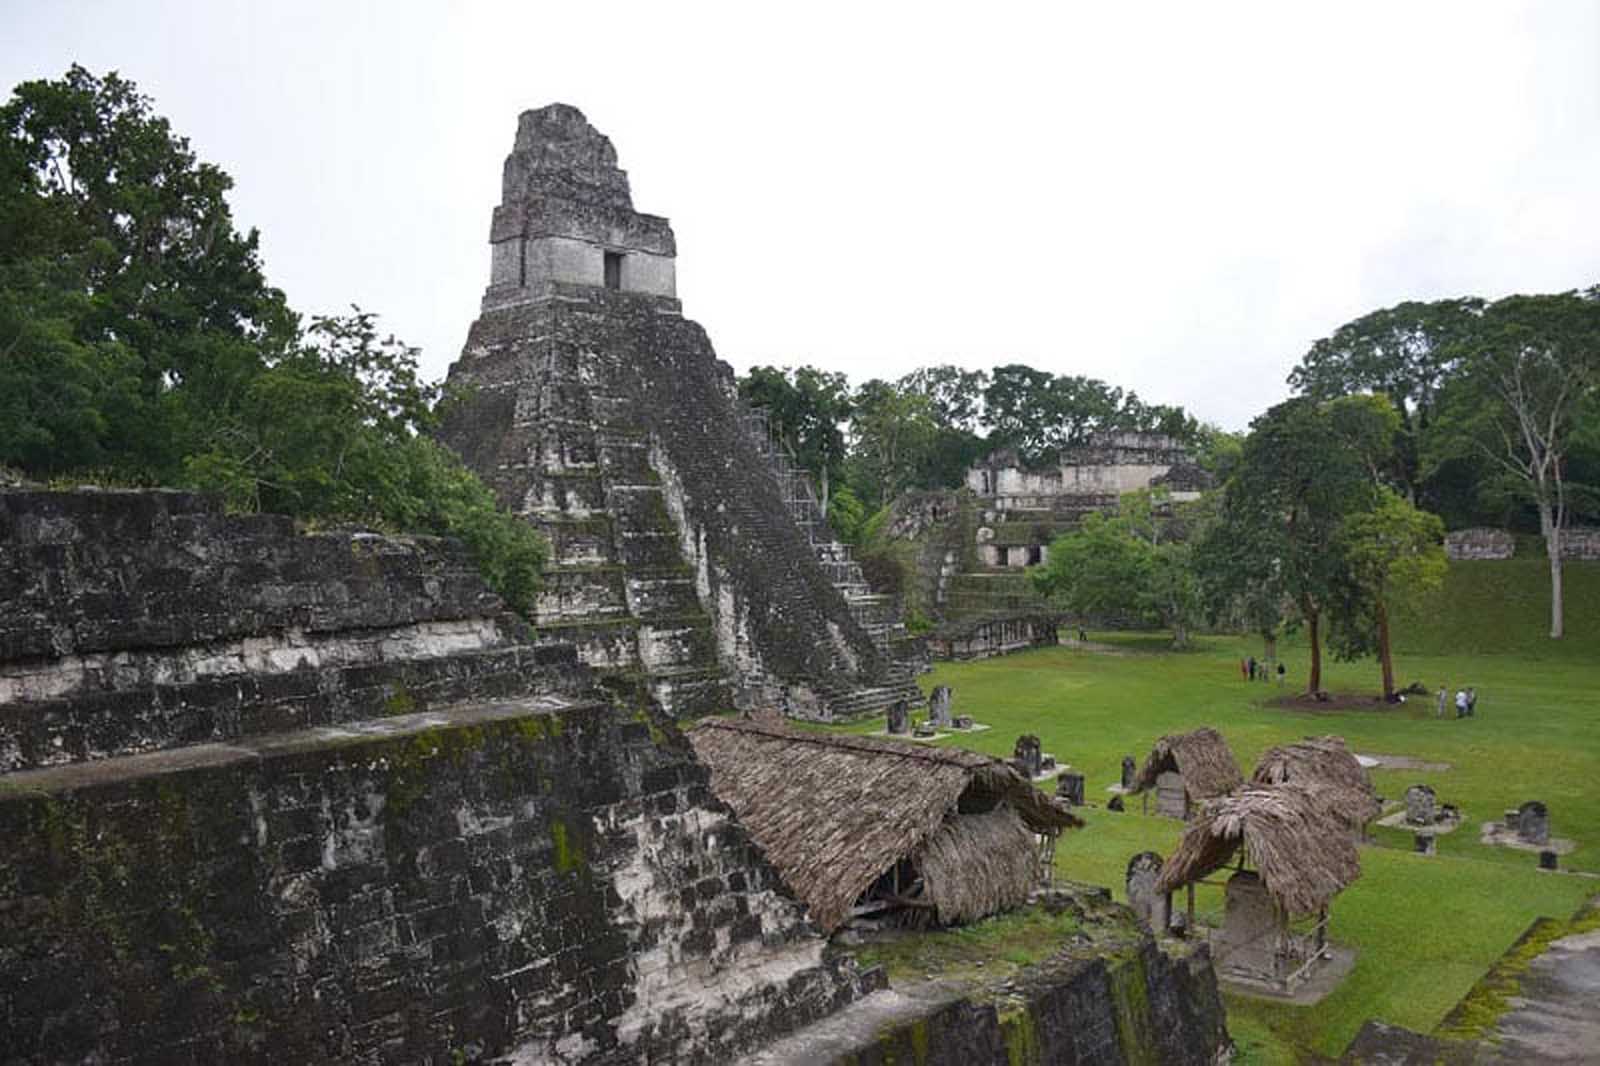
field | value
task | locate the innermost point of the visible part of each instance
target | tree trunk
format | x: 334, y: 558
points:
x: 1269, y: 646
x: 1314, y: 677
x: 1552, y: 548
x: 1180, y: 634
x: 824, y: 492
x: 1384, y: 657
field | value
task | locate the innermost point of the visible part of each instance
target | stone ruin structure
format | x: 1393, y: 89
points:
x: 1421, y: 805
x: 1478, y: 543
x: 1152, y: 907
x: 939, y: 707
x: 1578, y: 544
x: 686, y: 554
x: 1533, y: 823
x: 267, y: 796
x: 973, y: 545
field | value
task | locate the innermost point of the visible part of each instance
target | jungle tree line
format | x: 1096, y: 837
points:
x: 867, y: 444
x: 141, y: 344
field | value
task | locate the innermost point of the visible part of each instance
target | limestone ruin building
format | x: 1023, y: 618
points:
x: 973, y: 545
x: 687, y: 551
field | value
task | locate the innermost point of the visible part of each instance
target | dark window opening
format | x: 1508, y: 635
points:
x: 613, y: 270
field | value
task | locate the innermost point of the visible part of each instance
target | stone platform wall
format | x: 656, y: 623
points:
x: 1482, y: 543
x: 522, y: 880
x: 137, y: 621
x: 281, y: 798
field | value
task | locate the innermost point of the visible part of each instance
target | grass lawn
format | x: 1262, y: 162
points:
x: 1425, y: 928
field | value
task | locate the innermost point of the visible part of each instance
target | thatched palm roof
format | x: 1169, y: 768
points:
x: 1325, y: 766
x: 1302, y: 852
x: 834, y: 812
x: 1202, y: 757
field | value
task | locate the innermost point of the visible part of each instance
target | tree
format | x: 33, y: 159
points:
x: 806, y: 408
x: 1123, y: 564
x: 1295, y: 482
x: 1529, y: 372
x: 955, y: 404
x: 891, y: 432
x: 1389, y: 551
x: 138, y: 337
x: 1407, y: 353
x: 131, y: 310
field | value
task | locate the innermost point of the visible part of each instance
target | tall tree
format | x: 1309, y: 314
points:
x: 1295, y: 482
x: 891, y: 432
x: 139, y: 338
x: 132, y: 312
x: 1407, y: 353
x: 1529, y: 371
x: 807, y: 408
x: 1389, y: 551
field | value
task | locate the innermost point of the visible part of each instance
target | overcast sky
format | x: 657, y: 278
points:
x: 1177, y: 198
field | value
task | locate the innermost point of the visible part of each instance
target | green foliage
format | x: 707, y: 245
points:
x: 1041, y: 414
x: 1120, y: 566
x: 1301, y: 471
x: 132, y: 313
x: 846, y: 514
x: 892, y: 431
x: 141, y: 345
x: 1390, y: 552
x: 1405, y: 353
x: 807, y: 408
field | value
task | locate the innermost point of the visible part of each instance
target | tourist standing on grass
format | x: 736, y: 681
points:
x: 1252, y: 668
x: 1443, y: 697
x: 1244, y: 671
x: 1281, y: 672
x: 1472, y: 703
x: 1461, y: 703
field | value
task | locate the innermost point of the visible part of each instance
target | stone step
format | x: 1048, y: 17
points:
x: 654, y: 597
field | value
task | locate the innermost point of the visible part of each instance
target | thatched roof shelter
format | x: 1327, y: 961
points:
x: 1202, y: 757
x: 835, y: 813
x: 1325, y: 766
x: 1302, y: 852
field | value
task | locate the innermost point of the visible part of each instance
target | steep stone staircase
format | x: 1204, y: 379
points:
x: 617, y: 586
x: 878, y: 615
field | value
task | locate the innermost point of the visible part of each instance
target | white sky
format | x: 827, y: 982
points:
x: 1177, y: 198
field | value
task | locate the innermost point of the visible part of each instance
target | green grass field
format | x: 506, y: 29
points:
x: 1426, y: 928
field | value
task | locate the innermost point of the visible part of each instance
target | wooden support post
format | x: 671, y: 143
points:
x: 1322, y: 930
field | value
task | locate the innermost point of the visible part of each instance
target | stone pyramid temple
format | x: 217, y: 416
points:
x: 688, y: 552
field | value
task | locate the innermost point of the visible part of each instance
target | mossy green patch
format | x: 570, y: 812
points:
x: 994, y: 947
x: 568, y: 845
x: 1476, y: 1016
x: 1020, y: 1033
x: 399, y: 702
x: 1131, y: 999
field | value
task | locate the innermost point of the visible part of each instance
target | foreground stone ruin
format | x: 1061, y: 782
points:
x: 683, y: 554
x: 316, y: 798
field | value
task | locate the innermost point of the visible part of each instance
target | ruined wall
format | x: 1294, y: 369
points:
x: 1145, y: 1006
x: 1481, y: 543
x: 137, y: 621
x: 1581, y: 543
x: 286, y: 798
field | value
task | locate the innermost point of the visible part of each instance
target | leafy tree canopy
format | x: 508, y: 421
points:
x: 140, y: 340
